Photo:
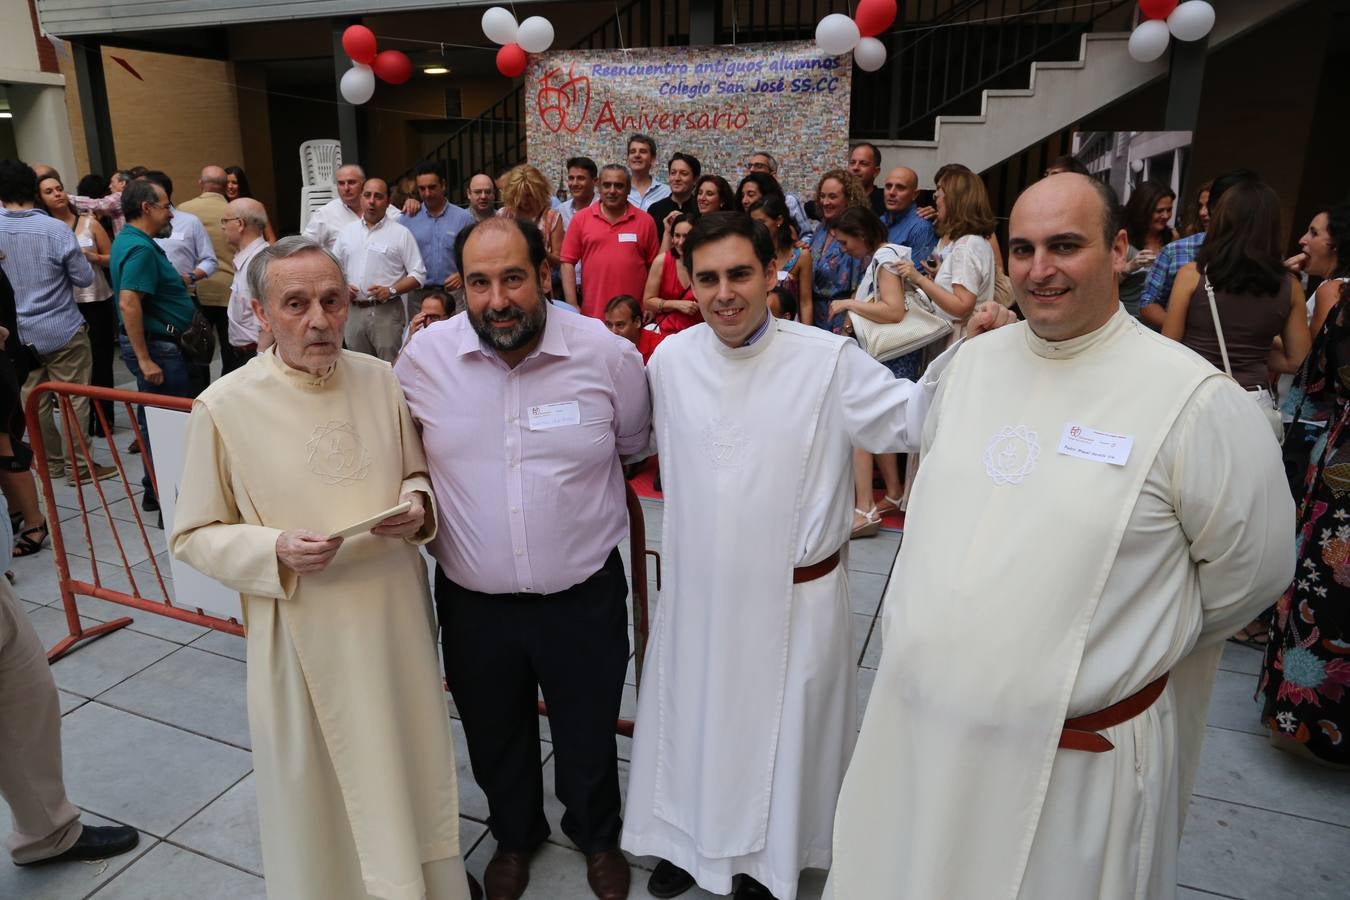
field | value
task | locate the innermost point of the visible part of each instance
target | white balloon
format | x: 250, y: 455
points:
x: 837, y: 34
x: 870, y: 54
x: 357, y: 84
x: 1191, y: 20
x: 1149, y: 40
x: 535, y: 34
x: 499, y: 25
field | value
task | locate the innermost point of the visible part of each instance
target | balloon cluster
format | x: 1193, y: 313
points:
x: 837, y: 34
x: 534, y: 35
x: 358, y: 82
x: 1165, y: 19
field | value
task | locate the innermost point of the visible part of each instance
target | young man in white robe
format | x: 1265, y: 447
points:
x: 747, y: 713
x: 352, y: 750
x: 1097, y: 510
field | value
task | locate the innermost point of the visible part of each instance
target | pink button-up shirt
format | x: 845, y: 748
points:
x: 525, y: 461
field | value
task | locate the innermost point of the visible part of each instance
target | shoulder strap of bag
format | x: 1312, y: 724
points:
x: 1218, y: 329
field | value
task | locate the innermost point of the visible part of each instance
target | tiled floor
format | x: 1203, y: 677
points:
x: 156, y: 736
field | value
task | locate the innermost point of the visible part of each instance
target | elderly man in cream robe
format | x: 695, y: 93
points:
x: 352, y: 749
x: 1097, y: 510
x: 747, y: 713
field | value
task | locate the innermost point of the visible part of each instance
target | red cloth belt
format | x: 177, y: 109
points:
x: 247, y: 348
x: 816, y: 570
x: 1080, y: 732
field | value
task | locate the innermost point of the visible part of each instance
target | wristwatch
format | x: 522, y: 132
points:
x: 393, y: 291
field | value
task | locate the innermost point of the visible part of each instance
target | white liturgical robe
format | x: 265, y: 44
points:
x: 1091, y: 514
x: 747, y: 710
x: 352, y: 750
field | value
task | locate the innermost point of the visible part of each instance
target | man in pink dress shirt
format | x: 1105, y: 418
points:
x: 530, y: 587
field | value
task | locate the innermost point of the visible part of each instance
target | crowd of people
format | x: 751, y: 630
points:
x: 542, y: 343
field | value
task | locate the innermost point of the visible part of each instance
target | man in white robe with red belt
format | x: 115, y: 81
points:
x: 748, y: 712
x: 1098, y: 509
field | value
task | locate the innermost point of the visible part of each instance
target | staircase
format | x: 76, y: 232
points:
x: 1059, y: 94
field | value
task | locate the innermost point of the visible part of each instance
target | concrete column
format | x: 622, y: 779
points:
x: 42, y: 129
x: 93, y: 93
x: 1185, y: 81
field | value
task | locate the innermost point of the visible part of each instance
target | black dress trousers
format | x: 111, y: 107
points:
x: 500, y: 651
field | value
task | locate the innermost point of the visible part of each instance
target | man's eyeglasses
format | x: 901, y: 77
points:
x: 228, y: 220
x: 165, y: 205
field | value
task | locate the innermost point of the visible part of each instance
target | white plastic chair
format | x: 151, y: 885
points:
x: 319, y: 162
x: 313, y: 198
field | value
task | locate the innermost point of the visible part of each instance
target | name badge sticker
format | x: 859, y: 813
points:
x: 1097, y: 446
x: 546, y: 416
x: 178, y: 236
x: 627, y: 237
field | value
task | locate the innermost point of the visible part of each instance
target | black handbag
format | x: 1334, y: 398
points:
x: 198, y: 340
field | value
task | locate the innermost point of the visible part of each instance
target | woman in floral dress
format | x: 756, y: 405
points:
x: 1306, y: 676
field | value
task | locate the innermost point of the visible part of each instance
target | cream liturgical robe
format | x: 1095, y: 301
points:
x: 747, y: 712
x: 352, y: 749
x: 1048, y: 574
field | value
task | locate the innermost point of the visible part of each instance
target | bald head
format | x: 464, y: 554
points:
x: 213, y: 180
x: 1064, y: 249
x: 245, y: 221
x: 902, y: 184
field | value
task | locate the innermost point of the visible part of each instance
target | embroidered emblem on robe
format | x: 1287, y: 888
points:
x: 1012, y: 455
x: 725, y: 443
x: 337, y: 455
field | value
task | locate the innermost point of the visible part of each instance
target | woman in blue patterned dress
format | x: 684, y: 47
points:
x: 834, y: 274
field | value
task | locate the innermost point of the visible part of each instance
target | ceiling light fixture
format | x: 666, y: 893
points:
x: 436, y: 70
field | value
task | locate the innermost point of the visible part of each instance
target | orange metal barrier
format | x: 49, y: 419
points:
x: 87, y: 490
x: 95, y: 499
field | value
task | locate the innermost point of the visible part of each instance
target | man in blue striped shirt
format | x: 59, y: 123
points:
x: 44, y: 264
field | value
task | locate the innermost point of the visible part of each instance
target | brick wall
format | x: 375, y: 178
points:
x: 181, y: 117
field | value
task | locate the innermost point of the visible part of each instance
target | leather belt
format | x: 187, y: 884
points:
x: 365, y: 303
x: 816, y: 570
x: 1080, y: 732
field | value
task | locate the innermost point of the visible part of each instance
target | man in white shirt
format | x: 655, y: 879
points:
x: 188, y: 247
x: 382, y: 262
x: 644, y: 188
x: 244, y: 223
x: 342, y: 210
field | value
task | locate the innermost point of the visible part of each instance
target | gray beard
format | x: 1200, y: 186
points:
x: 526, y: 330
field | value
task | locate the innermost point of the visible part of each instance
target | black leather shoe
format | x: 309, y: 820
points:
x: 149, y: 502
x: 750, y: 889
x: 669, y: 880
x: 95, y: 842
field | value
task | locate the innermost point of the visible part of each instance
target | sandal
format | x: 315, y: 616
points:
x: 27, y: 546
x: 1256, y: 634
x: 888, y: 506
x: 870, y: 526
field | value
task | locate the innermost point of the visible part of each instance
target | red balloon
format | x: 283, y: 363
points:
x: 1157, y: 9
x: 392, y: 66
x: 511, y: 60
x: 359, y: 42
x: 874, y: 16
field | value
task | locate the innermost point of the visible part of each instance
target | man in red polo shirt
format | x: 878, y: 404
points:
x: 614, y: 241
x: 623, y: 316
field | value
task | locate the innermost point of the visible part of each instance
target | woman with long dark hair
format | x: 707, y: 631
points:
x: 754, y: 187
x: 1148, y: 216
x: 236, y: 186
x: 792, y: 262
x: 668, y: 296
x: 1257, y: 299
x: 712, y: 193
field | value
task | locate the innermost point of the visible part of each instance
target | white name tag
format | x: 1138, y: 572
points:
x: 178, y: 236
x: 555, y: 415
x: 627, y: 238
x: 1098, y: 446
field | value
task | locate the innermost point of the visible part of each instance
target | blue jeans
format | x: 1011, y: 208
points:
x: 168, y: 357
